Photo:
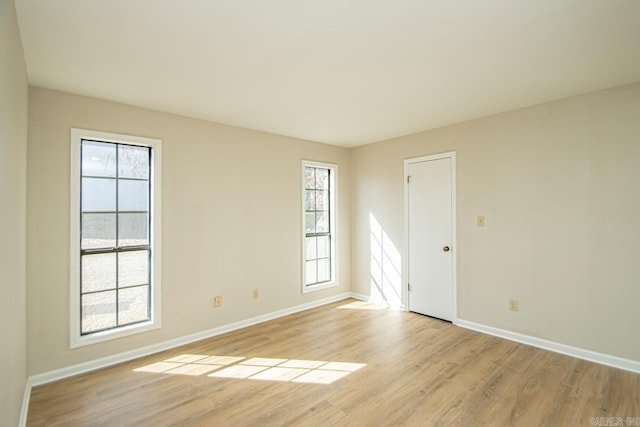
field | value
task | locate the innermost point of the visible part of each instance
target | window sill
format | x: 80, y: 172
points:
x: 98, y: 337
x: 318, y: 287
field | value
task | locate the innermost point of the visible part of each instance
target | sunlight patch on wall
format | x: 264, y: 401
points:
x: 386, y: 267
x: 257, y: 368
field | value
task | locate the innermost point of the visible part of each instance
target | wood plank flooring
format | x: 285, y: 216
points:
x: 401, y: 369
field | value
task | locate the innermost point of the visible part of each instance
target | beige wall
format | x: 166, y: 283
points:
x: 559, y: 185
x: 231, y: 222
x: 13, y: 205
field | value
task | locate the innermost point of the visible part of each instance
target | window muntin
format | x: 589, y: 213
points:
x: 115, y: 236
x: 115, y: 278
x: 319, y: 225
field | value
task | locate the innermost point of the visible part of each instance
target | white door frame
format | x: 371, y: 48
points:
x: 405, y: 259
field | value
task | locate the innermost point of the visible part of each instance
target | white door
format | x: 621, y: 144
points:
x: 430, y: 218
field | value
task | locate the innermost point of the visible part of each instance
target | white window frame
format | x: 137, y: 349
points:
x: 76, y: 338
x: 333, y: 229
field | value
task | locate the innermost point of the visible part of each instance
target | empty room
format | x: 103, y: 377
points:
x: 319, y: 213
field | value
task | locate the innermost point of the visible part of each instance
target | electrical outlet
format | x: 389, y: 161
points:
x: 513, y: 305
x: 255, y: 293
x: 480, y: 221
x: 217, y: 302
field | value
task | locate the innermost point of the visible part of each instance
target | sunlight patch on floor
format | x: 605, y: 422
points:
x: 362, y: 305
x: 256, y: 368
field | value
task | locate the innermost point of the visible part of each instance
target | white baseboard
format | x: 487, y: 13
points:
x: 580, y: 353
x: 58, y: 374
x: 103, y: 362
x: 360, y: 297
x: 22, y: 422
x: 368, y: 299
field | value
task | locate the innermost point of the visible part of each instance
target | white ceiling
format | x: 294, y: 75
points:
x: 343, y: 72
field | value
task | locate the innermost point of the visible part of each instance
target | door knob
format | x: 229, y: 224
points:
x: 446, y: 249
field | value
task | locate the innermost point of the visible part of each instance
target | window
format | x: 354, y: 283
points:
x: 115, y: 236
x: 319, y: 225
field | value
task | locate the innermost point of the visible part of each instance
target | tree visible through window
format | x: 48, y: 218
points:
x: 319, y: 218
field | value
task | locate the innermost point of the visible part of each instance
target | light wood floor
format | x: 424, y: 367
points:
x: 417, y: 371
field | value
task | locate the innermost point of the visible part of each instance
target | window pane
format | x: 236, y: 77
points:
x: 309, y: 223
x: 317, y: 205
x: 133, y: 162
x: 98, y: 311
x: 322, y: 178
x: 322, y: 200
x: 98, y: 272
x: 98, y: 230
x: 133, y: 229
x: 133, y: 305
x: 323, y: 247
x: 310, y: 272
x: 98, y: 159
x: 309, y: 177
x: 133, y: 268
x: 98, y: 194
x: 133, y: 195
x: 115, y: 230
x: 322, y: 222
x: 310, y: 247
x: 324, y: 272
x: 310, y: 202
